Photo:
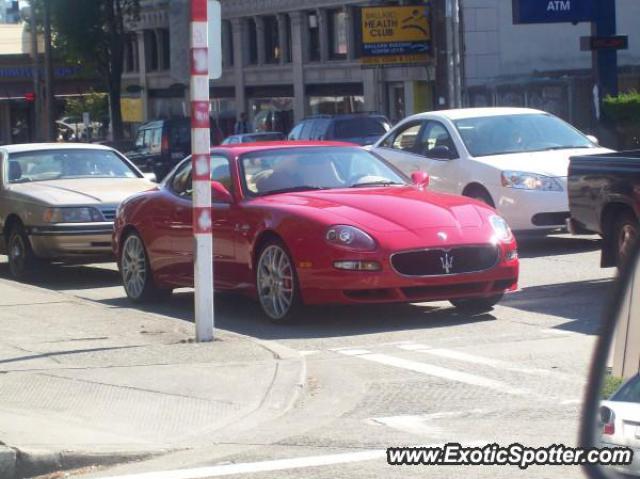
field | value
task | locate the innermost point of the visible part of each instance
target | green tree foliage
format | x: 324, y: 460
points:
x: 92, y: 32
x: 96, y: 104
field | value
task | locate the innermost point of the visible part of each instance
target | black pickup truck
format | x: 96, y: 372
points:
x: 604, y: 198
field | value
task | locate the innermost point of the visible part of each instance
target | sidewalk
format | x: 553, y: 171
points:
x: 83, y: 384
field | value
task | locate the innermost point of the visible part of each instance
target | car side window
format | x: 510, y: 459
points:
x: 155, y: 144
x: 406, y: 138
x: 434, y: 135
x: 140, y: 139
x: 181, y: 183
x: 221, y: 171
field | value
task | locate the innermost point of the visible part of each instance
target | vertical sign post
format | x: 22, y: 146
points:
x: 201, y: 175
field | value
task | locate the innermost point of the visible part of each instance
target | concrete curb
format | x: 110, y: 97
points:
x: 32, y: 463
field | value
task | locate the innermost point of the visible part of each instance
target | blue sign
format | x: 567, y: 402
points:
x: 553, y: 11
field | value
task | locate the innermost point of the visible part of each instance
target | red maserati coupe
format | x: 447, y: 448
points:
x: 316, y: 223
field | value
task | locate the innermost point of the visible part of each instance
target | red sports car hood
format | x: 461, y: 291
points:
x: 389, y: 210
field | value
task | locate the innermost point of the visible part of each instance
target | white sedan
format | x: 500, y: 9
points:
x: 620, y: 421
x: 514, y: 159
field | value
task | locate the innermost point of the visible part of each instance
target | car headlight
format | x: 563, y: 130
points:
x: 500, y: 228
x: 529, y: 181
x: 72, y: 215
x: 350, y: 237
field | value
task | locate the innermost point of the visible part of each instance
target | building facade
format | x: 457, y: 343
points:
x: 539, y: 65
x: 282, y: 60
x: 287, y: 59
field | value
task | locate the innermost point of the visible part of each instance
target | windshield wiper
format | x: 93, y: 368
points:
x: 293, y: 189
x: 376, y: 183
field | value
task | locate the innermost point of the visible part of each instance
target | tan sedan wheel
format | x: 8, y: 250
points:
x: 21, y: 257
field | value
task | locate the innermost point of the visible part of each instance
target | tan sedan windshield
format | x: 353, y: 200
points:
x: 48, y: 165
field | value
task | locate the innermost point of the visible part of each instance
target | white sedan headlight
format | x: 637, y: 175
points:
x: 500, y: 228
x: 529, y: 181
x: 72, y: 215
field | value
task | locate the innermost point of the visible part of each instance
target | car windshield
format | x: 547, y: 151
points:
x: 309, y: 168
x: 44, y: 165
x: 359, y: 127
x: 630, y: 392
x: 504, y: 134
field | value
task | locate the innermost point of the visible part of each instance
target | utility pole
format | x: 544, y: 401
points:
x: 449, y: 58
x: 37, y: 132
x: 201, y: 171
x: 50, y: 106
x: 605, y: 61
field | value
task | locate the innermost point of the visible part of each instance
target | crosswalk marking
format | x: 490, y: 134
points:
x: 472, y: 358
x: 435, y: 371
x: 420, y: 424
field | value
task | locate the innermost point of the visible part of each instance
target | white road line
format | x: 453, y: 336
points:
x: 472, y: 358
x: 265, y: 466
x: 571, y: 402
x: 352, y: 352
x: 436, y: 371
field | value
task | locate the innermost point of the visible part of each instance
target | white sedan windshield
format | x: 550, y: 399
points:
x: 500, y: 135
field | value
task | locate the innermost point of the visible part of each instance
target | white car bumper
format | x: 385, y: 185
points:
x: 527, y: 210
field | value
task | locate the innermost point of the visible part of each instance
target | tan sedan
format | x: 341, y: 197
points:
x: 59, y: 201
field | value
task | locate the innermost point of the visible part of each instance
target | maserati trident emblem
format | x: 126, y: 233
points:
x: 443, y: 236
x: 447, y: 263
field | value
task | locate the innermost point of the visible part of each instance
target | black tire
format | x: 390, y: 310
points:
x: 625, y: 231
x: 477, y: 305
x: 480, y: 194
x: 22, y: 260
x: 276, y: 311
x: 136, y: 274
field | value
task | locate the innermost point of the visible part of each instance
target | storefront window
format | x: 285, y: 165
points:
x: 272, y: 114
x: 330, y: 105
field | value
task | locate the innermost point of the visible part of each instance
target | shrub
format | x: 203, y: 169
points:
x: 611, y: 385
x: 623, y: 109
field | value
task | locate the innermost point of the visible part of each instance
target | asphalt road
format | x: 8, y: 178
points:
x: 407, y: 375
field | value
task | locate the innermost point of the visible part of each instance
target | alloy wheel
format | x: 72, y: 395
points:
x: 275, y: 282
x: 134, y: 267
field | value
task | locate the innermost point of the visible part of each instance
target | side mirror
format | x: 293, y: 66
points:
x: 611, y: 413
x: 420, y: 179
x: 593, y: 139
x: 220, y: 194
x: 441, y: 152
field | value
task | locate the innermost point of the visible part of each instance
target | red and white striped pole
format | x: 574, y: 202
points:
x: 200, y: 152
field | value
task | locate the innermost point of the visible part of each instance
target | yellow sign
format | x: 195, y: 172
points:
x: 395, y: 24
x: 131, y: 110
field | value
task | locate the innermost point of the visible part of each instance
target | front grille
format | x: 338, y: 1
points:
x: 444, y: 262
x: 109, y: 214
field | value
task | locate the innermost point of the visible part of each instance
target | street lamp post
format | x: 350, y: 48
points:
x: 201, y: 175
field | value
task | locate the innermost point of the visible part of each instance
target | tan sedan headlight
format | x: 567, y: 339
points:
x: 72, y: 215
